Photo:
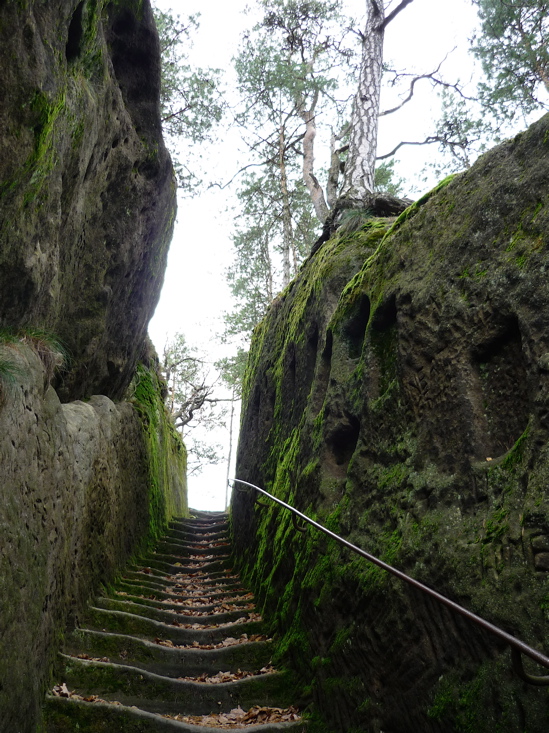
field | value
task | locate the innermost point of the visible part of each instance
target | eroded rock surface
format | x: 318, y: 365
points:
x: 407, y: 406
x: 76, y: 500
x: 87, y: 195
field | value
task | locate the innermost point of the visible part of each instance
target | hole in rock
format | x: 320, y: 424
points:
x: 342, y: 441
x: 501, y: 368
x: 385, y: 316
x: 76, y: 32
x: 290, y: 368
x: 323, y: 374
x: 355, y: 327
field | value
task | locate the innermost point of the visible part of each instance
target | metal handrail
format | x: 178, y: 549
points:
x: 518, y: 647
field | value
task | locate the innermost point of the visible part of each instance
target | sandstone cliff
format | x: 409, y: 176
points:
x: 87, y: 203
x: 87, y: 194
x: 83, y: 487
x: 398, y: 391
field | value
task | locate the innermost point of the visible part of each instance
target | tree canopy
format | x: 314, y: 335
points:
x: 191, y: 103
x: 513, y: 46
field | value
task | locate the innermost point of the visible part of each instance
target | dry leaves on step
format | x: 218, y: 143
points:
x: 63, y: 691
x: 241, y: 620
x: 229, y: 641
x: 221, y: 608
x: 238, y: 718
x: 221, y: 677
x: 92, y: 659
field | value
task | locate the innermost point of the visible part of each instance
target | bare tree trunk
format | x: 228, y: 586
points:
x: 360, y: 165
x: 287, y: 233
x: 332, y: 187
x: 266, y: 256
x: 313, y: 186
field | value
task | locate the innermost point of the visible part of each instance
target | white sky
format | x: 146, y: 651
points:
x: 195, y: 293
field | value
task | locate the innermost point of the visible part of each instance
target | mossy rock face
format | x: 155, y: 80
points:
x: 398, y: 392
x: 87, y: 194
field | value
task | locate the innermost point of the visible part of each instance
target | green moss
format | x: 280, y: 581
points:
x: 412, y: 210
x: 166, y: 453
x: 466, y: 706
x: 515, y: 456
x: 43, y: 159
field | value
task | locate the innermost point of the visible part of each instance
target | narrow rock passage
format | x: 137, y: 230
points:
x: 177, y: 645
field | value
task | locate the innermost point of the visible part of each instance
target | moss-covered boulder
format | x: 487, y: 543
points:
x: 87, y: 193
x: 403, y: 400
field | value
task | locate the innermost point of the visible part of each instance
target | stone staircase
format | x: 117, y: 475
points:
x: 176, y: 646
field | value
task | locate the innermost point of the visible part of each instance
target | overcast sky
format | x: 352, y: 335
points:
x: 195, y: 293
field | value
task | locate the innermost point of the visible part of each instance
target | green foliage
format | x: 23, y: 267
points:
x: 386, y: 179
x: 52, y: 352
x: 463, y: 131
x: 255, y: 276
x: 10, y: 371
x: 513, y: 46
x: 191, y: 102
x: 288, y: 69
x: 232, y: 370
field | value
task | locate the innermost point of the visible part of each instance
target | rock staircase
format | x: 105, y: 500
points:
x: 176, y: 646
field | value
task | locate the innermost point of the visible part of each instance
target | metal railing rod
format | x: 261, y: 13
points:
x: 513, y: 642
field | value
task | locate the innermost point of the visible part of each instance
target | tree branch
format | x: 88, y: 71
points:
x: 392, y: 15
x: 428, y: 141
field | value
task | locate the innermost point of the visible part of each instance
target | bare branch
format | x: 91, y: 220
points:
x: 436, y: 81
x: 392, y: 15
x: 428, y: 141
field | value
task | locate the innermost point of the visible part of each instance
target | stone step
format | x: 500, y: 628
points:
x: 168, y: 568
x: 202, y: 533
x: 66, y: 715
x: 153, y: 592
x: 129, y: 623
x: 123, y: 669
x: 191, y: 556
x: 196, y: 523
x: 180, y: 534
x: 166, y: 660
x: 163, y: 581
x: 186, y: 549
x: 182, y: 602
x: 159, y: 694
x: 208, y: 615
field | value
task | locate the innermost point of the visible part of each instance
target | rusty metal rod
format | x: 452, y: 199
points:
x: 513, y: 642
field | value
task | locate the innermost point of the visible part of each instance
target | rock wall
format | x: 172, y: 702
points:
x: 398, y: 391
x: 87, y: 204
x: 82, y: 490
x: 87, y: 193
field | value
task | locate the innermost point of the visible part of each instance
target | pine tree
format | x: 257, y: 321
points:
x: 191, y: 103
x: 513, y: 46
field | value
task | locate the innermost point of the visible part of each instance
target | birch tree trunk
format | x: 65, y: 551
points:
x: 360, y: 166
